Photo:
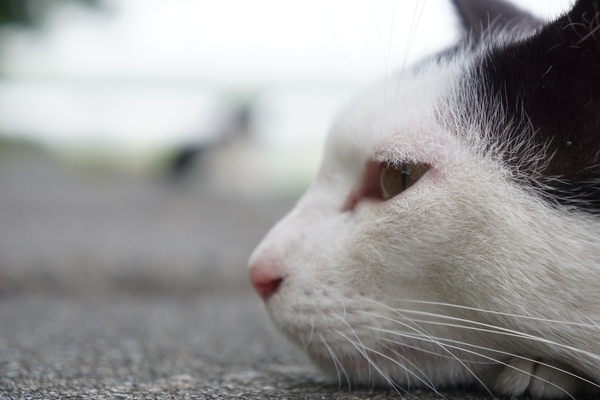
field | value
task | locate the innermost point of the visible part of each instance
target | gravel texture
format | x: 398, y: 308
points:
x: 116, y: 287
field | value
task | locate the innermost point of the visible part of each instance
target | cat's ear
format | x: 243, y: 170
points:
x: 478, y: 16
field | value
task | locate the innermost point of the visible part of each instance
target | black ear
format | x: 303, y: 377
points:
x: 477, y: 16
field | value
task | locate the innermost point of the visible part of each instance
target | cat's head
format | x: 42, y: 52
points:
x: 451, y: 231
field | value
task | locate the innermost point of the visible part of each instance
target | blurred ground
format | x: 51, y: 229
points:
x: 135, y: 288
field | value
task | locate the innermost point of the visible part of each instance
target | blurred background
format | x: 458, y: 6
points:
x: 150, y: 144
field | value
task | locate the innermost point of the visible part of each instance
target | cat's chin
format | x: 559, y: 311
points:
x: 402, y: 368
x: 355, y: 343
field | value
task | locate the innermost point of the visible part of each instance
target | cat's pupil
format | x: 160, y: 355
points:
x: 396, y: 178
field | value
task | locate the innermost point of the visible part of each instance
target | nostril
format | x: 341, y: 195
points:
x: 265, y: 283
x: 267, y: 289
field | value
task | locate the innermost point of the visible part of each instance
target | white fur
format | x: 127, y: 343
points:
x: 464, y: 278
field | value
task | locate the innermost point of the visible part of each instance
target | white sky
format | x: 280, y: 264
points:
x: 237, y: 42
x: 149, y: 72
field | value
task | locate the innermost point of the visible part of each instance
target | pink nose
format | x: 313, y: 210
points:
x: 265, y: 278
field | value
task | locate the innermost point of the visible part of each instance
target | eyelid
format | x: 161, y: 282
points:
x: 368, y: 186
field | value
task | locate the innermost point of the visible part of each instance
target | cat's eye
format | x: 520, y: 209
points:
x: 396, y: 178
x: 385, y: 180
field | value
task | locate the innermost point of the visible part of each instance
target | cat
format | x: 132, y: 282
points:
x: 451, y: 237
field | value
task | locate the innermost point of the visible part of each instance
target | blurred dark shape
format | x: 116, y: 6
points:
x: 184, y: 159
x: 30, y: 13
x: 189, y: 155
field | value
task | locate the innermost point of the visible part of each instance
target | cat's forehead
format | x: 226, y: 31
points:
x: 402, y: 117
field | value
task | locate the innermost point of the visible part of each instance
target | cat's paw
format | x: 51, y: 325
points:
x: 540, y: 379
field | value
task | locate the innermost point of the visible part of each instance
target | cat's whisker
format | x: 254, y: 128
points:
x: 508, y: 365
x: 412, y: 33
x: 457, y: 345
x: 336, y: 363
x: 312, y: 331
x: 550, y: 366
x: 433, y: 353
x: 425, y: 380
x: 395, y: 361
x: 359, y: 341
x: 493, y: 360
x: 488, y: 328
x: 425, y: 351
x: 593, y: 323
x: 363, y: 351
x: 480, y: 310
x: 416, y: 328
x: 424, y: 334
x: 406, y: 371
x: 409, y: 372
x: 389, y: 55
x: 517, y: 356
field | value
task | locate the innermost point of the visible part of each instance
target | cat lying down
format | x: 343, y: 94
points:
x: 451, y: 237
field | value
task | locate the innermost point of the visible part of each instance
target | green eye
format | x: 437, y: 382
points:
x: 396, y: 178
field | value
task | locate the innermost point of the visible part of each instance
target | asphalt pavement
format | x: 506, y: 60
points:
x: 116, y: 286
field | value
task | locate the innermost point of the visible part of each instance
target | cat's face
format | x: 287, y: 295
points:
x: 429, y: 251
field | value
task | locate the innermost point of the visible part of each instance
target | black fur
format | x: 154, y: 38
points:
x: 552, y: 80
